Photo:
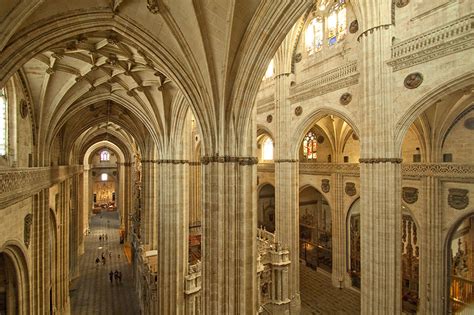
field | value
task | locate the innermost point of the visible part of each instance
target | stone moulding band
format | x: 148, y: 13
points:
x: 242, y: 160
x: 380, y: 160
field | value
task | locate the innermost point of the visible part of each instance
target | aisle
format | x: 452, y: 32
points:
x: 92, y: 293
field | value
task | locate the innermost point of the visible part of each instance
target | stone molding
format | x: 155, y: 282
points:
x: 242, y: 160
x: 286, y: 161
x: 370, y: 31
x: 380, y: 160
x: 20, y: 183
x: 265, y: 104
x: 450, y: 38
x: 335, y: 79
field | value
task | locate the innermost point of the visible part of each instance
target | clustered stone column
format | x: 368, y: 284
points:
x: 229, y: 235
x: 380, y: 173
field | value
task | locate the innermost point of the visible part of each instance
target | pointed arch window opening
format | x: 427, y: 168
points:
x: 3, y: 122
x: 104, y: 156
x: 267, y: 154
x: 270, y: 70
x: 310, y: 146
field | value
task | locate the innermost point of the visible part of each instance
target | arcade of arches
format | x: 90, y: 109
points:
x: 236, y: 154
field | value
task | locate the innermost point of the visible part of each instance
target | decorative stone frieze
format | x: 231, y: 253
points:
x: 350, y: 189
x: 413, y: 80
x: 458, y: 198
x: 327, y: 82
x: 438, y: 170
x: 325, y: 187
x: 410, y: 194
x: 447, y: 39
x: 27, y: 229
x: 246, y: 160
x: 345, y: 98
x: 286, y: 161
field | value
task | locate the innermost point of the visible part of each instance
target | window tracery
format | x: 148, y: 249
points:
x: 105, y: 156
x: 333, y: 26
x: 310, y: 146
x: 3, y: 121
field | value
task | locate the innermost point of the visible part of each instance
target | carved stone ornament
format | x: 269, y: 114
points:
x: 413, y: 80
x: 354, y: 27
x: 23, y: 109
x: 298, y: 110
x: 27, y: 229
x: 153, y: 6
x: 410, y: 194
x: 325, y: 187
x: 298, y: 57
x: 401, y: 3
x: 345, y: 99
x: 458, y: 198
x: 469, y: 123
x: 350, y: 189
x: 320, y: 139
x: 269, y: 118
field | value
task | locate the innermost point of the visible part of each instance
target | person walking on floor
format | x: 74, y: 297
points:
x: 111, y: 276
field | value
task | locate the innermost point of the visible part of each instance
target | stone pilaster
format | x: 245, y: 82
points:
x: 148, y: 190
x: 229, y: 235
x: 432, y: 273
x: 339, y: 232
x: 40, y: 253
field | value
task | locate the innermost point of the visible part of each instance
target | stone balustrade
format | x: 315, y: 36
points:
x: 192, y: 289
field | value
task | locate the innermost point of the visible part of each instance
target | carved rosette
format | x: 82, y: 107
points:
x: 354, y: 27
x: 458, y: 198
x: 298, y: 110
x: 325, y: 187
x: 350, y: 189
x: 153, y: 6
x: 401, y: 3
x: 27, y: 229
x: 413, y: 80
x: 298, y: 57
x: 410, y: 194
x: 345, y: 98
x: 269, y: 118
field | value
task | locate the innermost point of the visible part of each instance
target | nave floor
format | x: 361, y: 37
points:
x: 92, y: 293
x: 318, y: 296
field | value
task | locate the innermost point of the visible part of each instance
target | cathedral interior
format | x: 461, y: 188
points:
x: 236, y: 157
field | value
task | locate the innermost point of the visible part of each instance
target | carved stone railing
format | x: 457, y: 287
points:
x: 265, y: 236
x: 448, y: 39
x: 19, y: 183
x: 192, y: 290
x: 448, y: 170
x: 145, y: 267
x: 329, y: 81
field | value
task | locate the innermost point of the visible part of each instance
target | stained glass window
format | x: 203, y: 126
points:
x: 104, y: 177
x: 104, y: 155
x: 314, y: 35
x: 270, y: 70
x: 310, y: 146
x: 336, y: 23
x: 268, y: 150
x: 3, y: 122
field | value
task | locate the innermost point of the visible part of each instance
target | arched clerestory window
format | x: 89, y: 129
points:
x: 310, y: 146
x: 270, y: 70
x: 267, y: 154
x: 105, y: 155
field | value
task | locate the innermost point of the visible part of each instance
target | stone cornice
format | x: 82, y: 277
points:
x: 242, y: 160
x: 369, y: 31
x: 286, y: 161
x: 265, y: 104
x: 20, y: 183
x: 166, y: 161
x: 329, y: 81
x: 448, y: 39
x: 380, y: 160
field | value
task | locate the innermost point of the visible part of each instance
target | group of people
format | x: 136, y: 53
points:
x: 103, y: 237
x: 117, y: 275
x: 104, y: 259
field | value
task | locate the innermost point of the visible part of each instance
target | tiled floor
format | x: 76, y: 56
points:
x: 92, y: 293
x: 318, y: 296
